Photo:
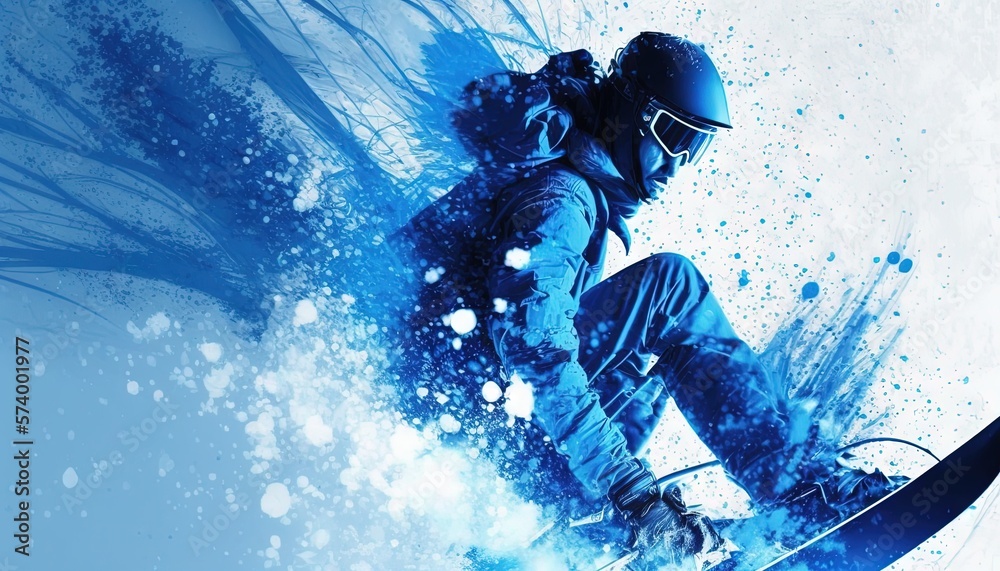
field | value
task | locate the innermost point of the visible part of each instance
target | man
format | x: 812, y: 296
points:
x: 516, y: 252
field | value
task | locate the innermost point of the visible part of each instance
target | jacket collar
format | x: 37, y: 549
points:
x: 591, y: 158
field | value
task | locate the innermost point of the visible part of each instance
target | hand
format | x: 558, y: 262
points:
x: 662, y: 529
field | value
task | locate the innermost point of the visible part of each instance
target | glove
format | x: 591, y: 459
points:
x: 661, y: 528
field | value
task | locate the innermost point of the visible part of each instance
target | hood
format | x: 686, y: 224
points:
x: 512, y: 121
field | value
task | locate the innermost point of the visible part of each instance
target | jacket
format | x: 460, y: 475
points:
x: 518, y: 242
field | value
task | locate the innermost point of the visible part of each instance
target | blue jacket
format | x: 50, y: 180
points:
x: 545, y: 186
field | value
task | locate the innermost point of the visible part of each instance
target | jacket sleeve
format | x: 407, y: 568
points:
x: 536, y: 269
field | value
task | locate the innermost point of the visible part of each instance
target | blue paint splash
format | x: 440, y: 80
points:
x: 833, y: 361
x: 810, y: 290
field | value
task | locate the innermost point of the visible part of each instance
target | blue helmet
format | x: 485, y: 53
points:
x: 674, y: 91
x: 676, y: 72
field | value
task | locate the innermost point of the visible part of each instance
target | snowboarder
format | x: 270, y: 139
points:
x: 510, y: 287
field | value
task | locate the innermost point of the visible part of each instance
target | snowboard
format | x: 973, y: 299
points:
x: 890, y: 528
x: 895, y: 525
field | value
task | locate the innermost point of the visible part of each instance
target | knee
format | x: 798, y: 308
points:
x: 677, y: 269
x: 672, y: 260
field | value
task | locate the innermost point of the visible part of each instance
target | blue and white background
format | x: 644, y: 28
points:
x: 188, y: 190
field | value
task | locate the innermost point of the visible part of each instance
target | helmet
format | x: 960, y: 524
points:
x: 674, y: 90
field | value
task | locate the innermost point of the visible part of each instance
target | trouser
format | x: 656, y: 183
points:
x: 662, y: 307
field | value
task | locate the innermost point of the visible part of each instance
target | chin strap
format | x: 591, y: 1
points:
x: 637, y: 184
x: 627, y: 93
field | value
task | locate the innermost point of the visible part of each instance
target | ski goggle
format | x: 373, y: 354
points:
x: 677, y: 136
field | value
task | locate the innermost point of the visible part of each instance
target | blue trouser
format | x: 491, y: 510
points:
x: 662, y: 306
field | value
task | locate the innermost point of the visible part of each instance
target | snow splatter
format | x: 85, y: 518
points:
x: 517, y: 258
x: 492, y: 391
x: 156, y: 325
x: 276, y: 500
x: 305, y: 313
x: 462, y: 321
x: 262, y: 430
x: 318, y: 433
x: 449, y: 424
x: 406, y: 443
x: 500, y: 305
x: 165, y: 464
x: 69, y: 478
x: 218, y: 381
x: 211, y: 351
x: 320, y: 538
x: 519, y: 399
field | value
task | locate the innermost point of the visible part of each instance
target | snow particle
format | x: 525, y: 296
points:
x: 211, y: 351
x: 305, y: 312
x: 500, y: 305
x: 276, y: 500
x: 70, y: 478
x: 165, y: 464
x: 306, y: 198
x: 449, y: 424
x: 317, y: 432
x: 463, y: 321
x: 517, y: 258
x: 320, y: 538
x: 132, y: 387
x: 520, y: 399
x: 217, y: 381
x: 406, y: 443
x: 491, y: 391
x: 156, y: 325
